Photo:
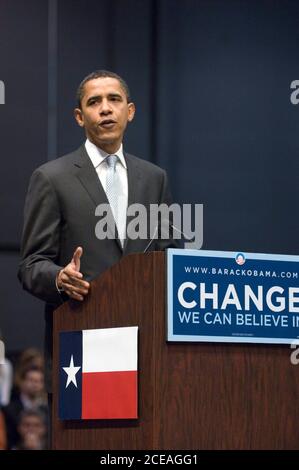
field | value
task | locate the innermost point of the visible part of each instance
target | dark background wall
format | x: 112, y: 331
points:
x: 211, y: 82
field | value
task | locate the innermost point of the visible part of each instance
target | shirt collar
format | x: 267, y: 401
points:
x: 97, y: 155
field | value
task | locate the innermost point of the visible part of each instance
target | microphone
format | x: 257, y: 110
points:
x: 182, y: 233
x: 151, y: 240
x: 169, y: 225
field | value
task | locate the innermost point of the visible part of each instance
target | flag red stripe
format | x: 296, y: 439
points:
x: 109, y: 395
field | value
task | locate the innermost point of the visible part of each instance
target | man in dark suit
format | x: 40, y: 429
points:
x: 30, y: 397
x: 60, y: 251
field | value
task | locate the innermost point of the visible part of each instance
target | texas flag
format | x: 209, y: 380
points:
x: 98, y: 374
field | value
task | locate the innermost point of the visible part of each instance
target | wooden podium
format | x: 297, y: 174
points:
x: 191, y: 395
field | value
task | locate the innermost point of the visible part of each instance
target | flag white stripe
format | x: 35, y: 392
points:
x: 109, y: 349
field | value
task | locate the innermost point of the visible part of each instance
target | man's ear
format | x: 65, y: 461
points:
x: 131, y: 111
x: 79, y: 117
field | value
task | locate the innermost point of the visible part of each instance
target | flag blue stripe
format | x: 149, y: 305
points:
x: 70, y: 397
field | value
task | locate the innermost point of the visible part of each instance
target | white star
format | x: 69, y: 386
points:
x: 71, y: 372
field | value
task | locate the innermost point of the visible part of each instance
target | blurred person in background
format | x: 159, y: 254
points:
x: 32, y: 431
x: 30, y: 357
x: 31, y: 397
x: 6, y: 380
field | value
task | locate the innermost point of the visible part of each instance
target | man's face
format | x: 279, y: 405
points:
x: 105, y: 113
x: 33, y: 384
x: 32, y: 425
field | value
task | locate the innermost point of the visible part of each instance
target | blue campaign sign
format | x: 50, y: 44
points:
x: 224, y: 296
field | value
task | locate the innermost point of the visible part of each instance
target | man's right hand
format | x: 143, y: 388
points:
x: 70, y: 280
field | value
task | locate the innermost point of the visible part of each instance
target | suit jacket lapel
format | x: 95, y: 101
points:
x: 89, y: 179
x: 134, y: 186
x: 134, y: 180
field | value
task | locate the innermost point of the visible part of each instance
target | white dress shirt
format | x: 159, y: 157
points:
x: 97, y: 157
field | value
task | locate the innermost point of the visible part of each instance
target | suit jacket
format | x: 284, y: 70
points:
x: 59, y: 215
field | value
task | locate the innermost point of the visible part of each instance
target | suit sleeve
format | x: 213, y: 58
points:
x: 166, y: 225
x: 41, y: 240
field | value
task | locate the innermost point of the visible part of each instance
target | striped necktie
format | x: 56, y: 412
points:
x: 114, y: 190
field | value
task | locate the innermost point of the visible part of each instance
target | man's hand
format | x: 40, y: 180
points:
x: 70, y: 280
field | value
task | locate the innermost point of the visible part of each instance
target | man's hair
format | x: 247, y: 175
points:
x: 101, y: 74
x: 30, y: 368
